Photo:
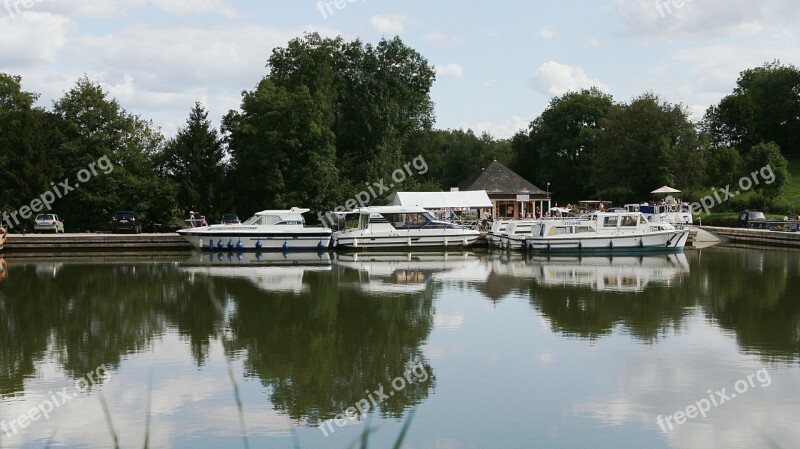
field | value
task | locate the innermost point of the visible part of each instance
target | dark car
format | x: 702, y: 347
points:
x: 126, y: 221
x: 230, y: 219
x: 751, y: 219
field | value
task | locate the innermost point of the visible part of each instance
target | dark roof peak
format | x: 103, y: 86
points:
x: 499, y: 179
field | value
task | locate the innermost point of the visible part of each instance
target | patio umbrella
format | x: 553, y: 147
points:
x: 666, y: 189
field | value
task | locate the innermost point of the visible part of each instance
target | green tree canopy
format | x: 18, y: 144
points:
x: 194, y: 160
x: 764, y: 107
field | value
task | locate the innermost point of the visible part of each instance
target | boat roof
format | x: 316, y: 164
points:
x: 292, y: 211
x: 388, y: 210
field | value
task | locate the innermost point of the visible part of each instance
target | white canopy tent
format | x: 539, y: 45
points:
x: 666, y: 189
x: 460, y: 200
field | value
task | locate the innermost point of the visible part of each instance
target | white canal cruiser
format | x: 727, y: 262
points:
x: 513, y: 238
x: 402, y: 227
x: 605, y: 232
x: 268, y: 230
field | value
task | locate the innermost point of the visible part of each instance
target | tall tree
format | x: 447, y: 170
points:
x: 643, y: 145
x: 194, y: 160
x: 27, y: 161
x: 764, y: 107
x: 564, y: 138
x: 283, y: 150
x: 364, y: 102
x: 94, y: 128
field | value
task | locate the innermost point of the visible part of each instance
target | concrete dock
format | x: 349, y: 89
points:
x: 94, y: 242
x: 756, y: 236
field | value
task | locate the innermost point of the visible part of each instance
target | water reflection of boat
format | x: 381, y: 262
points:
x: 394, y: 272
x: 618, y: 273
x: 270, y: 271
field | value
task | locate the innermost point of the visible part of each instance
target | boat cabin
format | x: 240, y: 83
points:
x: 293, y: 216
x: 388, y: 218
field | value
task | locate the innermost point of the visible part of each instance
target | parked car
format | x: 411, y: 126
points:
x: 230, y: 219
x: 748, y: 217
x: 48, y: 223
x: 126, y: 221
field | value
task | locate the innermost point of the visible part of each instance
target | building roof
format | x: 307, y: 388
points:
x: 499, y: 179
x: 443, y: 200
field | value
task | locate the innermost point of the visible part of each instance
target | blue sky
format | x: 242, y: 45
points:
x: 498, y: 63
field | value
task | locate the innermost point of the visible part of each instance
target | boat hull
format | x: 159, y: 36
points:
x: 411, y: 239
x: 258, y: 241
x: 662, y: 241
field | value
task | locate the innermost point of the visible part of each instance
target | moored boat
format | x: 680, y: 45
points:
x: 496, y: 232
x: 513, y: 238
x: 402, y: 227
x: 606, y: 232
x: 267, y: 230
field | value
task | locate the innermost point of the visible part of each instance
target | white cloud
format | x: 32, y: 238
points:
x: 385, y: 25
x: 31, y: 37
x: 706, y: 19
x: 501, y: 130
x: 554, y: 78
x: 451, y: 70
x: 121, y: 8
x: 441, y: 39
x: 547, y: 32
x: 594, y: 43
x: 193, y: 7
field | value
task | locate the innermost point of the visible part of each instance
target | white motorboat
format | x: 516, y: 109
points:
x: 673, y: 212
x: 513, y: 238
x: 402, y: 227
x: 267, y: 230
x: 603, y: 232
x: 496, y: 231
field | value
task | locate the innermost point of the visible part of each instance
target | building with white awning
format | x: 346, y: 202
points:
x: 462, y: 202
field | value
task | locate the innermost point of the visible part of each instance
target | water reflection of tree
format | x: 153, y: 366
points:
x: 747, y: 291
x: 319, y: 352
x: 751, y: 292
x: 84, y: 317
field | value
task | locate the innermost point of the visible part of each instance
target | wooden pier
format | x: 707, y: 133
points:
x: 56, y: 243
x: 756, y: 236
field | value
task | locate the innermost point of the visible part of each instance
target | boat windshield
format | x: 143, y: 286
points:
x: 258, y: 220
x: 413, y: 220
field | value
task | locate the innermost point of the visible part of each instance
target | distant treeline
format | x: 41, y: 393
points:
x: 331, y: 117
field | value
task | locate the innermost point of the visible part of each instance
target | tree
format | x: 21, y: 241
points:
x: 725, y: 166
x: 194, y: 160
x: 769, y: 167
x: 94, y: 128
x: 363, y: 102
x: 564, y: 139
x: 764, y: 107
x: 641, y: 146
x: 283, y: 150
x: 27, y: 161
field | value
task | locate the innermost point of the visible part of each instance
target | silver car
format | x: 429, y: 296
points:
x: 48, y: 223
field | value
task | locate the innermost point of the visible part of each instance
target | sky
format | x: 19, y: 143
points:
x: 498, y: 64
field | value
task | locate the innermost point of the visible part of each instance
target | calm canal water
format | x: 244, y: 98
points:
x: 484, y: 350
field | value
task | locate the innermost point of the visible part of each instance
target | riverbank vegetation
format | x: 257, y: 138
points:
x: 331, y: 115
